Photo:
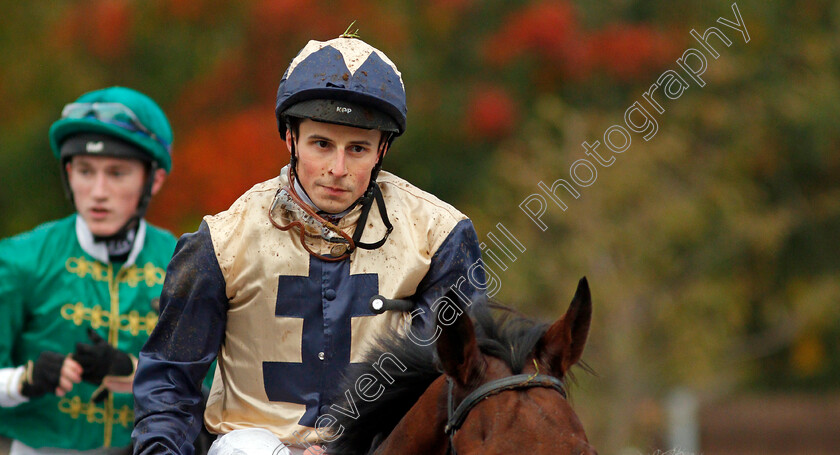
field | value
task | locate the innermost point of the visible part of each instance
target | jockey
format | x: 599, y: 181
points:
x: 278, y: 285
x: 78, y: 296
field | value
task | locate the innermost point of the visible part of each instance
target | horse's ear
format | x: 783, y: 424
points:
x: 562, y: 345
x: 456, y: 346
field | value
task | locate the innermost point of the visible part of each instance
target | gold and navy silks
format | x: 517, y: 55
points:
x: 284, y: 324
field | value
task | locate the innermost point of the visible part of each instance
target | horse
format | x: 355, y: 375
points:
x: 495, y: 385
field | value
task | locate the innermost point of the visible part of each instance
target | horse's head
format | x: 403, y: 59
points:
x: 487, y: 408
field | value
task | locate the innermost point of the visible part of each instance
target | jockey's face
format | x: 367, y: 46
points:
x: 107, y: 190
x: 334, y: 162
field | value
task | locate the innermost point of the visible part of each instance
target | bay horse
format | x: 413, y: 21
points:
x: 494, y: 385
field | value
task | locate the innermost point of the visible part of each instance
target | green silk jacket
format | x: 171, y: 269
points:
x: 51, y: 292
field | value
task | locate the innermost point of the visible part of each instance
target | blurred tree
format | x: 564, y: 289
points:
x: 711, y: 249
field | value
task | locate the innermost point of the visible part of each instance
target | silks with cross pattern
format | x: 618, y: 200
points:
x: 285, y: 324
x: 326, y: 333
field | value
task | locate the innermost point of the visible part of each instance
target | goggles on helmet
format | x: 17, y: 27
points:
x: 288, y: 211
x: 113, y: 113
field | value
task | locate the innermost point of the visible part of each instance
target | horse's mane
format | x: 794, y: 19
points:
x: 505, y: 335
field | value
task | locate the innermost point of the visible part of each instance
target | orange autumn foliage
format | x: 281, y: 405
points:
x: 548, y: 29
x: 631, y: 51
x: 551, y: 33
x: 214, y: 164
x: 102, y: 27
x: 491, y: 113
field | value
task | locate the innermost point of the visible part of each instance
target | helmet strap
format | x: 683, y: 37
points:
x: 120, y: 243
x: 373, y: 193
x: 65, y: 181
x: 292, y: 151
x: 384, y: 146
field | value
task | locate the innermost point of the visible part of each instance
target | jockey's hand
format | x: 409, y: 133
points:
x: 51, y: 373
x: 100, y: 359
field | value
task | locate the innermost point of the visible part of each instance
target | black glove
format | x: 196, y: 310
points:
x: 42, y: 375
x: 100, y: 359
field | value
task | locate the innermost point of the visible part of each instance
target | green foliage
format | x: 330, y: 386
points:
x: 348, y: 34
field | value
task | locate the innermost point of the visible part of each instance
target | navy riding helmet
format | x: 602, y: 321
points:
x: 344, y: 81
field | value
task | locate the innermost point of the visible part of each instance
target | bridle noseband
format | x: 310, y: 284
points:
x: 456, y: 417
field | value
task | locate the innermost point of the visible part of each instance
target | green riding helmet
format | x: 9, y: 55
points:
x: 120, y: 112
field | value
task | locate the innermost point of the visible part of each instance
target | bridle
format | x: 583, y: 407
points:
x: 456, y: 417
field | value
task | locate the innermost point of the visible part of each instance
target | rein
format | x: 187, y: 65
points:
x: 457, y: 416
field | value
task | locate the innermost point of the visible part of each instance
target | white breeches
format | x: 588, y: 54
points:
x: 251, y: 441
